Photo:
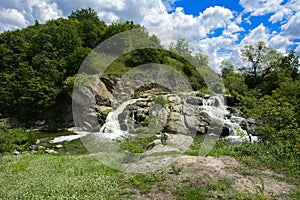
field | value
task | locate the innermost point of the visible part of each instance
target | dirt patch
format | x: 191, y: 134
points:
x: 197, y: 171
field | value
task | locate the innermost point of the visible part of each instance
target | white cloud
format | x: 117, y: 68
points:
x: 281, y: 10
x: 23, y: 13
x: 291, y: 28
x: 218, y: 48
x: 11, y: 19
x: 215, y: 17
x: 260, y: 33
x: 169, y: 4
x: 260, y: 7
x: 281, y: 14
x: 279, y: 43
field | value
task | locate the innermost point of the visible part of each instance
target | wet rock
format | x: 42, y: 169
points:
x: 229, y: 100
x: 225, y: 131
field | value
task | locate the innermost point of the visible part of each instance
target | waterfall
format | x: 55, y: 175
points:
x: 216, y: 109
x: 112, y: 129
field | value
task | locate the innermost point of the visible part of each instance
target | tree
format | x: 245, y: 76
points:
x: 84, y: 14
x: 290, y: 65
x: 262, y: 60
x: 182, y: 46
x: 227, y: 68
x: 91, y: 28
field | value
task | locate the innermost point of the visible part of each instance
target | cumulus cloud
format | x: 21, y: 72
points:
x: 260, y: 7
x: 281, y: 14
x: 280, y: 9
x: 23, y: 13
x: 11, y: 19
x: 291, y: 28
x: 169, y: 4
x: 260, y: 33
x: 279, y: 43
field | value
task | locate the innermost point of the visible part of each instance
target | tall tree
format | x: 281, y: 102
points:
x: 262, y: 60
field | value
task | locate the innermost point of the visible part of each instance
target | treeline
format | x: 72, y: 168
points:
x: 36, y: 61
x: 267, y: 87
x: 39, y: 63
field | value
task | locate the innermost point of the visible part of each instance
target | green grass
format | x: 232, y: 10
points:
x: 74, y: 147
x: 72, y: 174
x: 56, y: 177
x: 221, y: 189
x: 262, y: 156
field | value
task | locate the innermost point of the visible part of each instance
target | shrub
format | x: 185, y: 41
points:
x: 11, y: 139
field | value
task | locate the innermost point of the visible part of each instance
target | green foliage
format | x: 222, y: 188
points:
x: 15, y: 139
x: 39, y: 63
x: 261, y: 155
x: 160, y: 100
x: 135, y: 144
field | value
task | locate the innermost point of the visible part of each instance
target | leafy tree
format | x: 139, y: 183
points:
x: 262, y: 60
x: 182, y: 46
x: 84, y: 14
x: 290, y: 65
x: 227, y: 68
x: 91, y: 28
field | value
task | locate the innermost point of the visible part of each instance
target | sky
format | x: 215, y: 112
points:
x: 216, y: 28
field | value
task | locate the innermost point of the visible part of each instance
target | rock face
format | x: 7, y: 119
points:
x: 157, y: 105
x: 94, y: 101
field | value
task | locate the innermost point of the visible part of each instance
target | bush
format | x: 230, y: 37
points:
x: 15, y: 139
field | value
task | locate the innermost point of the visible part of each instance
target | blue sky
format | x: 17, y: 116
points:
x: 217, y: 28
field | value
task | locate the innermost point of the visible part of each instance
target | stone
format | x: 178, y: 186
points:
x: 33, y: 147
x: 153, y: 144
x: 50, y: 151
x: 225, y: 131
x: 12, y: 122
x: 72, y: 129
x: 59, y: 146
x: 207, y: 96
x: 196, y: 101
x: 16, y: 152
x: 229, y: 100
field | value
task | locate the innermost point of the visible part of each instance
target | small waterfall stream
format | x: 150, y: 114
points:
x: 215, y: 107
x: 112, y: 129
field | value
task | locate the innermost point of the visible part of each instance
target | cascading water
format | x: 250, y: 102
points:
x: 216, y: 109
x: 112, y: 129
